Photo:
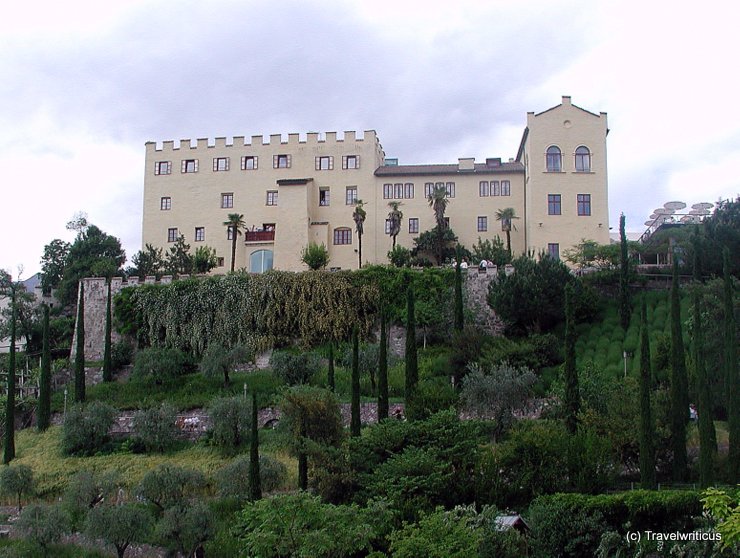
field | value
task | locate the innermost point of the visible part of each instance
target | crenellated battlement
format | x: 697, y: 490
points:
x: 273, y: 140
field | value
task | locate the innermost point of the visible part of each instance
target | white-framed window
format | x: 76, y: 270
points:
x: 325, y: 162
x: 260, y: 261
x: 350, y: 197
x: 428, y: 189
x: 387, y: 191
x: 324, y: 198
x: 484, y: 189
x: 220, y: 164
x: 163, y: 167
x: 165, y: 203
x: 350, y: 162
x: 553, y: 250
x: 272, y: 197
x: 281, y: 161
x: 249, y: 162
x: 200, y: 234
x: 408, y: 190
x: 482, y: 223
x: 227, y: 200
x: 495, y: 188
x: 554, y: 159
x: 413, y: 225
x: 450, y: 187
x: 172, y: 234
x: 229, y: 233
x: 387, y: 226
x: 505, y: 187
x: 583, y: 159
x: 189, y: 165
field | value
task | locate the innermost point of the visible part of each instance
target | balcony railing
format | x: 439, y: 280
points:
x: 259, y: 236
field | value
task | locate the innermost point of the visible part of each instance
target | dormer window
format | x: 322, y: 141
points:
x: 583, y: 159
x: 554, y: 159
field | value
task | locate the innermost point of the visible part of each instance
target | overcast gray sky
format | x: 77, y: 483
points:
x: 85, y: 83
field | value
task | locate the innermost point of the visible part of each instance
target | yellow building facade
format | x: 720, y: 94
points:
x: 304, y: 189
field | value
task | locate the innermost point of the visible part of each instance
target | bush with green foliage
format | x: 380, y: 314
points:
x: 399, y: 256
x: 16, y: 480
x: 185, y: 529
x: 86, y: 490
x: 230, y: 422
x: 159, y: 365
x: 218, y: 360
x: 119, y: 525
x: 42, y: 524
x: 232, y: 481
x: 491, y: 250
x: 86, y: 428
x: 724, y: 510
x: 430, y: 397
x: 315, y: 256
x: 573, y: 524
x: 294, y: 368
x: 155, y: 427
x: 122, y: 353
x: 316, y: 529
x: 168, y: 486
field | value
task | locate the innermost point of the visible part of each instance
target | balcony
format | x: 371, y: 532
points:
x: 259, y: 236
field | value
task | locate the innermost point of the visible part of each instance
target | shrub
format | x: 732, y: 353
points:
x: 155, y: 427
x: 122, y: 353
x: 157, y: 364
x: 315, y: 256
x: 399, y: 256
x: 42, y: 524
x: 218, y: 360
x: 440, y: 534
x: 294, y: 368
x: 168, y: 486
x: 119, y: 525
x: 86, y: 429
x: 233, y: 479
x: 186, y: 528
x: 431, y: 397
x: 85, y: 491
x: 16, y: 480
x: 230, y: 418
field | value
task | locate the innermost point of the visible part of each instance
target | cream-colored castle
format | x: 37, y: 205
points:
x: 303, y: 190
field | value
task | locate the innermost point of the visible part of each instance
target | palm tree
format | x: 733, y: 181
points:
x: 438, y: 202
x: 235, y: 224
x: 358, y: 216
x: 506, y: 215
x: 394, y: 217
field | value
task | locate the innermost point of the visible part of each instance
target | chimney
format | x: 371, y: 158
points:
x: 566, y: 100
x: 466, y: 163
x: 493, y: 162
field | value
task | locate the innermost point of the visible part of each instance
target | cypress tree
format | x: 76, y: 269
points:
x: 412, y: 363
x: 9, y: 441
x: 383, y: 369
x: 572, y: 394
x: 459, y: 314
x: 647, y: 425
x: 43, y: 413
x: 255, y: 483
x: 732, y: 381
x: 107, y: 365
x: 706, y: 446
x: 330, y: 374
x: 625, y: 305
x: 355, y: 419
x: 80, y: 348
x: 303, y: 457
x: 679, y: 383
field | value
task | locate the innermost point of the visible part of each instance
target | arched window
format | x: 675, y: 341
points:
x: 343, y: 235
x: 583, y: 159
x: 554, y: 159
x: 260, y: 261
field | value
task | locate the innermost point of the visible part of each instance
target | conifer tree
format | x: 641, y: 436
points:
x: 679, y: 383
x: 732, y: 381
x: 625, y: 305
x: 706, y: 426
x: 9, y: 440
x: 107, y: 365
x: 355, y: 419
x: 80, y: 348
x: 43, y: 412
x: 255, y: 483
x: 412, y: 363
x: 572, y: 393
x: 647, y: 425
x: 459, y: 314
x: 383, y: 369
